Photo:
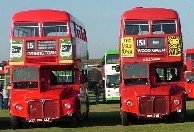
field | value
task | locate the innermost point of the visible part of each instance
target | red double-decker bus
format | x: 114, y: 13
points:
x: 189, y: 59
x: 189, y: 73
x: 48, y: 66
x: 151, y: 65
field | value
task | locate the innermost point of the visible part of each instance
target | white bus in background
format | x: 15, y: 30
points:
x: 110, y: 77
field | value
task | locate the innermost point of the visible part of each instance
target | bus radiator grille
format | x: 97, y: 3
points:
x: 43, y: 109
x: 153, y: 104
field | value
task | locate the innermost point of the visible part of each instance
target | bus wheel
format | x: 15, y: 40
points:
x: 181, y: 116
x: 104, y: 99
x: 74, y: 122
x: 124, y: 118
x: 15, y: 122
x: 87, y: 109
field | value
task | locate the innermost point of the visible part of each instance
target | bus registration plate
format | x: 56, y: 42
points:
x: 153, y: 116
x: 43, y: 120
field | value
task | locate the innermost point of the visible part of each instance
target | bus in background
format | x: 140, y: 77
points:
x: 151, y: 65
x: 48, y: 67
x: 5, y: 73
x: 2, y: 74
x: 189, y: 72
x: 110, y: 77
x: 189, y: 84
x: 189, y: 59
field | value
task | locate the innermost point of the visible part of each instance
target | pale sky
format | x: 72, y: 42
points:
x: 100, y: 17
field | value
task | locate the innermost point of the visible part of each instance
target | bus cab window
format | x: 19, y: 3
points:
x: 158, y: 79
x: 174, y: 76
x: 53, y: 79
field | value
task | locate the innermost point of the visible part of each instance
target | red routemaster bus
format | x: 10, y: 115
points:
x: 189, y: 84
x: 48, y: 66
x: 189, y: 59
x: 151, y: 65
x: 189, y: 73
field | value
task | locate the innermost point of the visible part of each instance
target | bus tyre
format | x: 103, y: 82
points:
x: 181, y: 116
x: 76, y: 117
x: 74, y: 122
x: 104, y: 99
x: 87, y: 108
x: 15, y: 122
x: 124, y: 118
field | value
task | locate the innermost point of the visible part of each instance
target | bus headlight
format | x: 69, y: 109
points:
x: 129, y: 103
x: 18, y: 107
x: 176, y: 102
x: 67, y: 105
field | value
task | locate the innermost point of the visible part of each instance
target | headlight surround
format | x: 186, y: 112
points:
x: 129, y: 103
x: 67, y: 105
x: 18, y: 107
x: 176, y: 101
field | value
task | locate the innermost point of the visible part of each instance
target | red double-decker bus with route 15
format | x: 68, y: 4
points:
x: 48, y: 66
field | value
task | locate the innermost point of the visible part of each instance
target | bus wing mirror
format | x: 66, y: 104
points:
x: 117, y: 68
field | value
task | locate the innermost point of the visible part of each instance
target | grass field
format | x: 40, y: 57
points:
x: 105, y: 118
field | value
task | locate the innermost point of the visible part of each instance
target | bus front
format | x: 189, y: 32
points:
x: 150, y: 57
x: 46, y: 67
x: 111, y: 77
x: 189, y: 59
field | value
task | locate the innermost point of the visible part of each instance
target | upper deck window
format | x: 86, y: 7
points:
x: 26, y: 30
x: 112, y: 59
x: 190, y: 57
x: 55, y: 29
x: 136, y: 27
x: 164, y: 27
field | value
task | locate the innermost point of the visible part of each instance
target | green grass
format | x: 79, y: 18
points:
x: 105, y: 118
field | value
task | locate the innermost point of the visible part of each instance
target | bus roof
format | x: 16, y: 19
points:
x: 41, y: 15
x: 112, y: 51
x: 138, y: 13
x: 191, y: 50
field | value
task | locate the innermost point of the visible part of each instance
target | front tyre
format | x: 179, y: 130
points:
x: 75, y: 119
x: 124, y: 118
x: 15, y: 122
x: 181, y: 116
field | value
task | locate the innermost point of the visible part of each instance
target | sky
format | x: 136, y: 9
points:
x: 100, y: 17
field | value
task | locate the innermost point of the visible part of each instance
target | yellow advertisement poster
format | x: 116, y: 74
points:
x: 174, y: 46
x: 127, y: 47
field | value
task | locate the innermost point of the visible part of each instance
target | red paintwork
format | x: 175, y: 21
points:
x: 140, y: 13
x: 45, y: 15
x: 6, y: 68
x: 55, y: 96
x: 166, y: 91
x: 189, y: 86
x: 188, y: 63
